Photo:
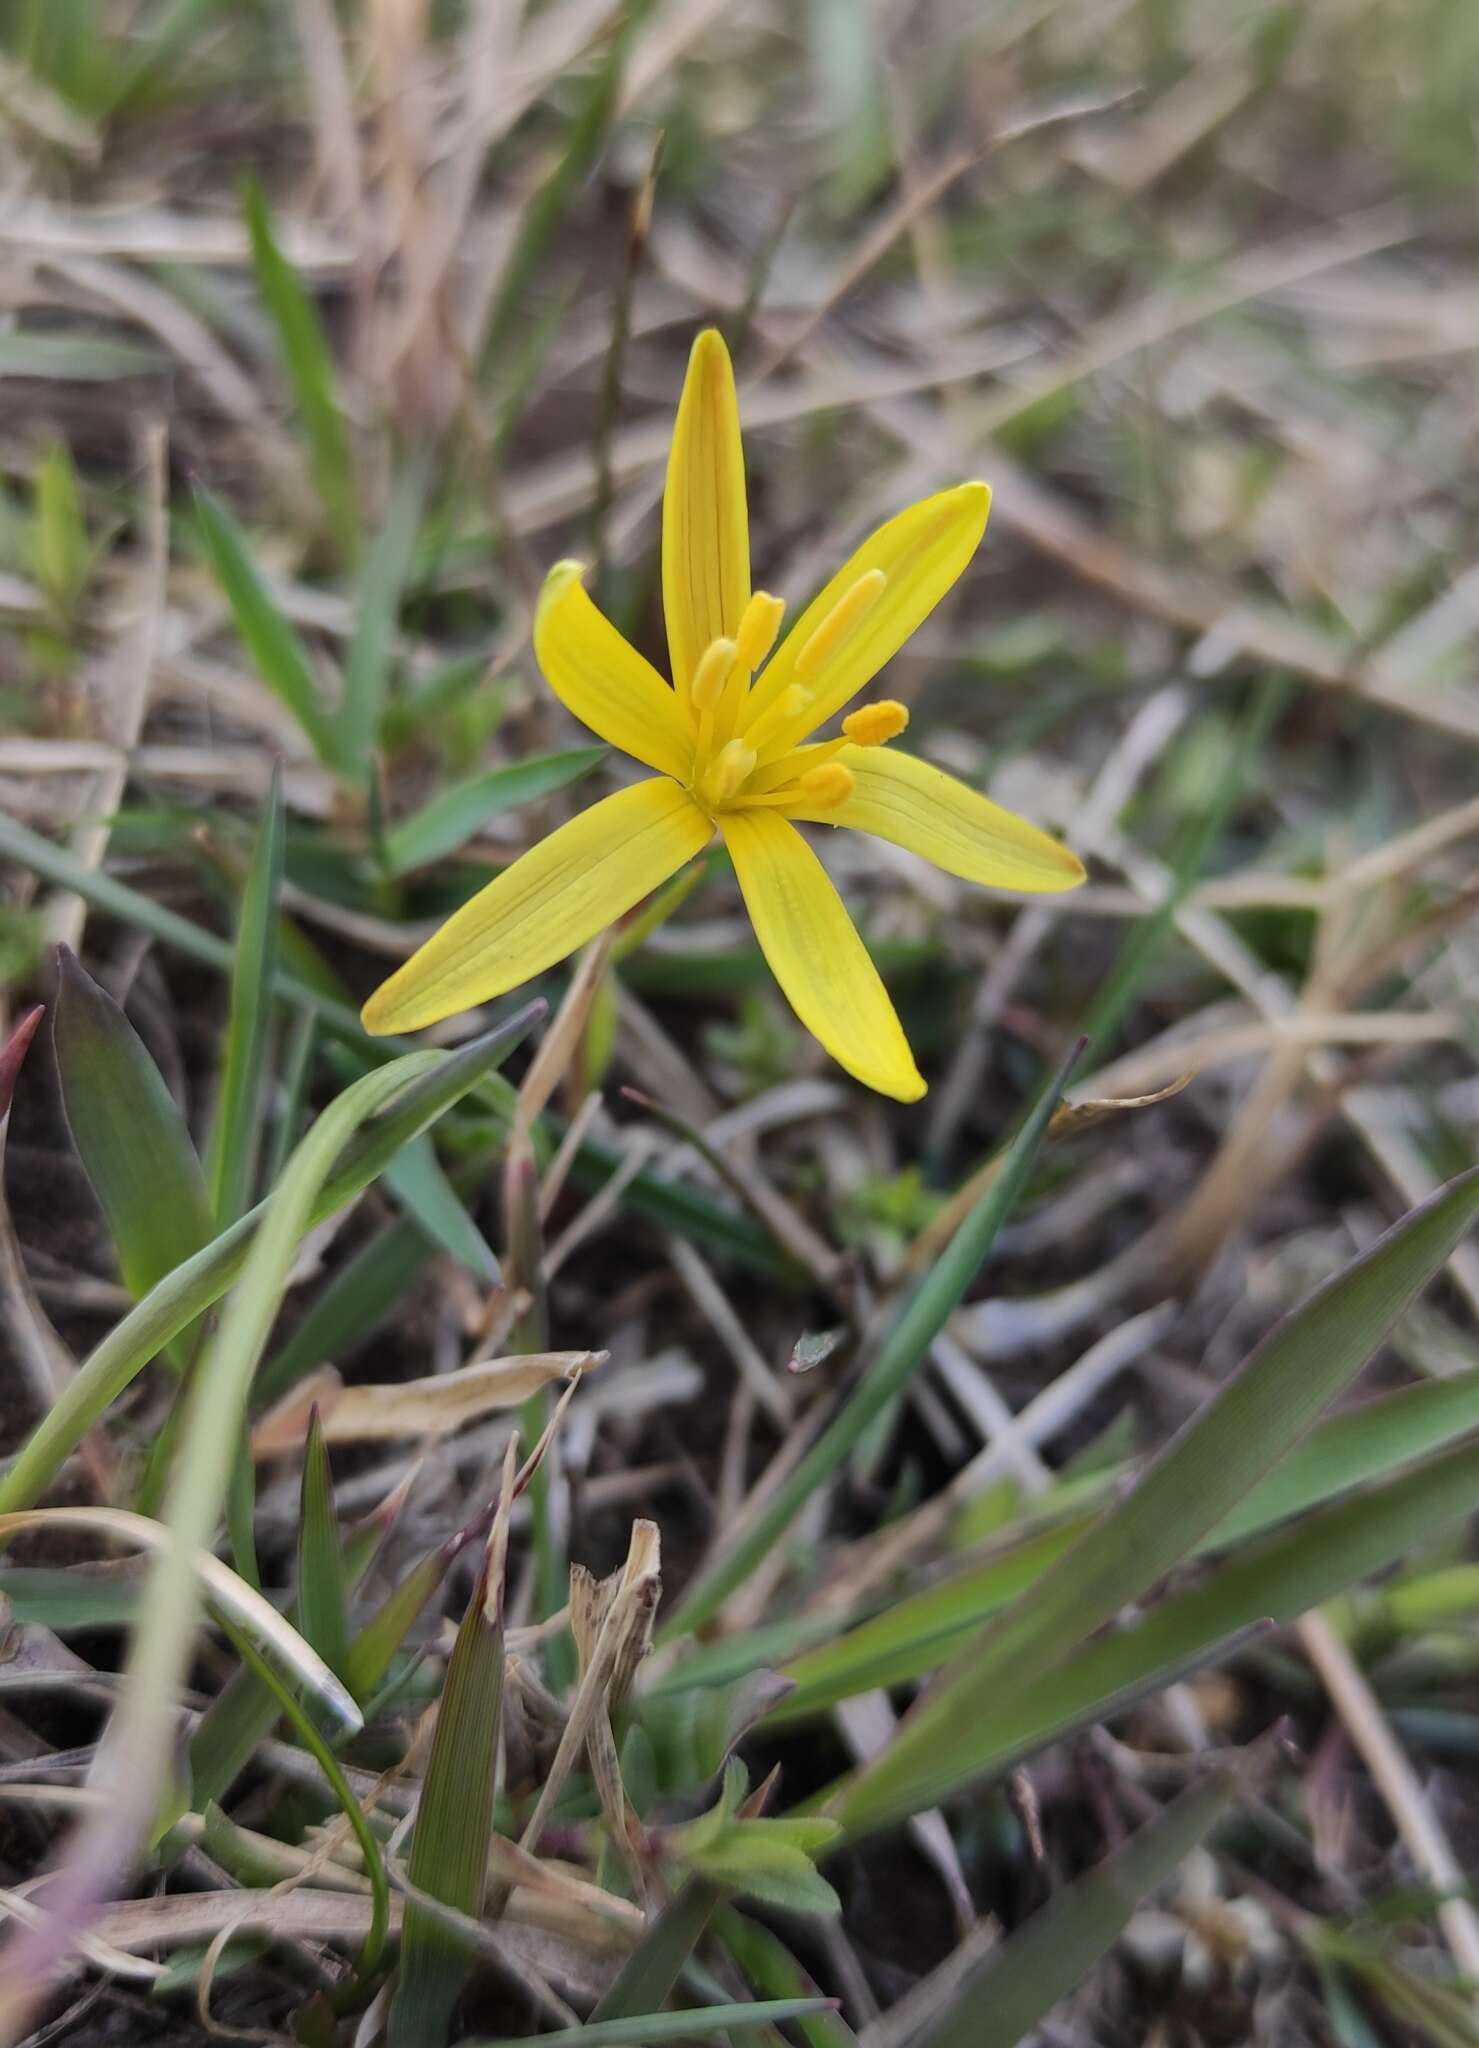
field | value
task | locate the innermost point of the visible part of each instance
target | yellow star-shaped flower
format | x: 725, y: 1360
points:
x: 731, y: 742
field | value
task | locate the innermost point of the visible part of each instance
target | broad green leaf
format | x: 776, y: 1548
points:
x: 454, y: 1820
x: 128, y: 1131
x: 323, y: 1588
x: 456, y: 813
x: 430, y: 1083
x: 937, y: 1297
x: 310, y: 368
x: 231, y: 1153
x: 1208, y: 1468
x: 270, y: 638
x: 1050, y: 1954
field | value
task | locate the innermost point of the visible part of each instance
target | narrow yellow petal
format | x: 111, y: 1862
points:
x: 895, y: 796
x: 705, y: 526
x: 921, y: 552
x: 554, y: 897
x: 603, y: 681
x: 815, y: 952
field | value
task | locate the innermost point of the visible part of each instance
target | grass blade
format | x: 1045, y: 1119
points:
x: 421, y: 1188
x: 937, y: 1296
x: 323, y: 1588
x: 584, y: 141
x: 277, y: 652
x: 456, y: 813
x: 917, y: 1634
x: 371, y: 652
x: 310, y: 367
x: 687, y: 1210
x: 647, y: 2030
x: 454, y: 1820
x: 328, y: 1763
x: 1054, y: 1950
x: 1271, y: 1582
x: 128, y: 1131
x: 1255, y: 1419
x: 138, y: 1745
x: 231, y: 1154
x: 654, y: 1966
x: 431, y: 1082
x: 226, y: 1590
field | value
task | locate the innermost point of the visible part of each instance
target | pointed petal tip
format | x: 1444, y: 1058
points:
x: 710, y: 349
x: 975, y: 497
x: 379, y: 1014
x: 13, y: 1053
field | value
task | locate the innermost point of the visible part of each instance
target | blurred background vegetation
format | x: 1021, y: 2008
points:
x: 324, y: 330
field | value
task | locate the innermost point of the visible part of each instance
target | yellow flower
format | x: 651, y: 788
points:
x: 730, y: 740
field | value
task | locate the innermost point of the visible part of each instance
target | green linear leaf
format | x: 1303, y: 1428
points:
x: 128, y: 1131
x: 937, y: 1296
x: 1255, y: 1419
x: 687, y: 1210
x: 310, y: 367
x: 648, y: 2030
x: 462, y: 809
x: 270, y: 638
x: 1273, y: 1581
x: 382, y: 587
x: 432, y: 1082
x: 231, y: 1153
x: 454, y: 1820
x: 915, y: 1635
x: 323, y: 1583
x: 1054, y: 1950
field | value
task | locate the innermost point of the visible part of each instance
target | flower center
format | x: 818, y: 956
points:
x: 747, y: 727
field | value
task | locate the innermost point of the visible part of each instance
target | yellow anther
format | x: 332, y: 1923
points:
x: 730, y: 769
x: 711, y: 674
x: 875, y: 724
x: 827, y: 786
x: 760, y: 621
x: 841, y: 622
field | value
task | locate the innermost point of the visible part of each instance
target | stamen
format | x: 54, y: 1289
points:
x: 711, y: 674
x: 729, y: 770
x: 841, y: 622
x: 760, y: 621
x: 790, y: 704
x: 784, y: 767
x: 826, y: 787
x: 873, y: 725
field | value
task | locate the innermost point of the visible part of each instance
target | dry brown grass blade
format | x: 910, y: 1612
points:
x: 624, y: 1632
x: 591, y: 1600
x: 413, y: 1408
